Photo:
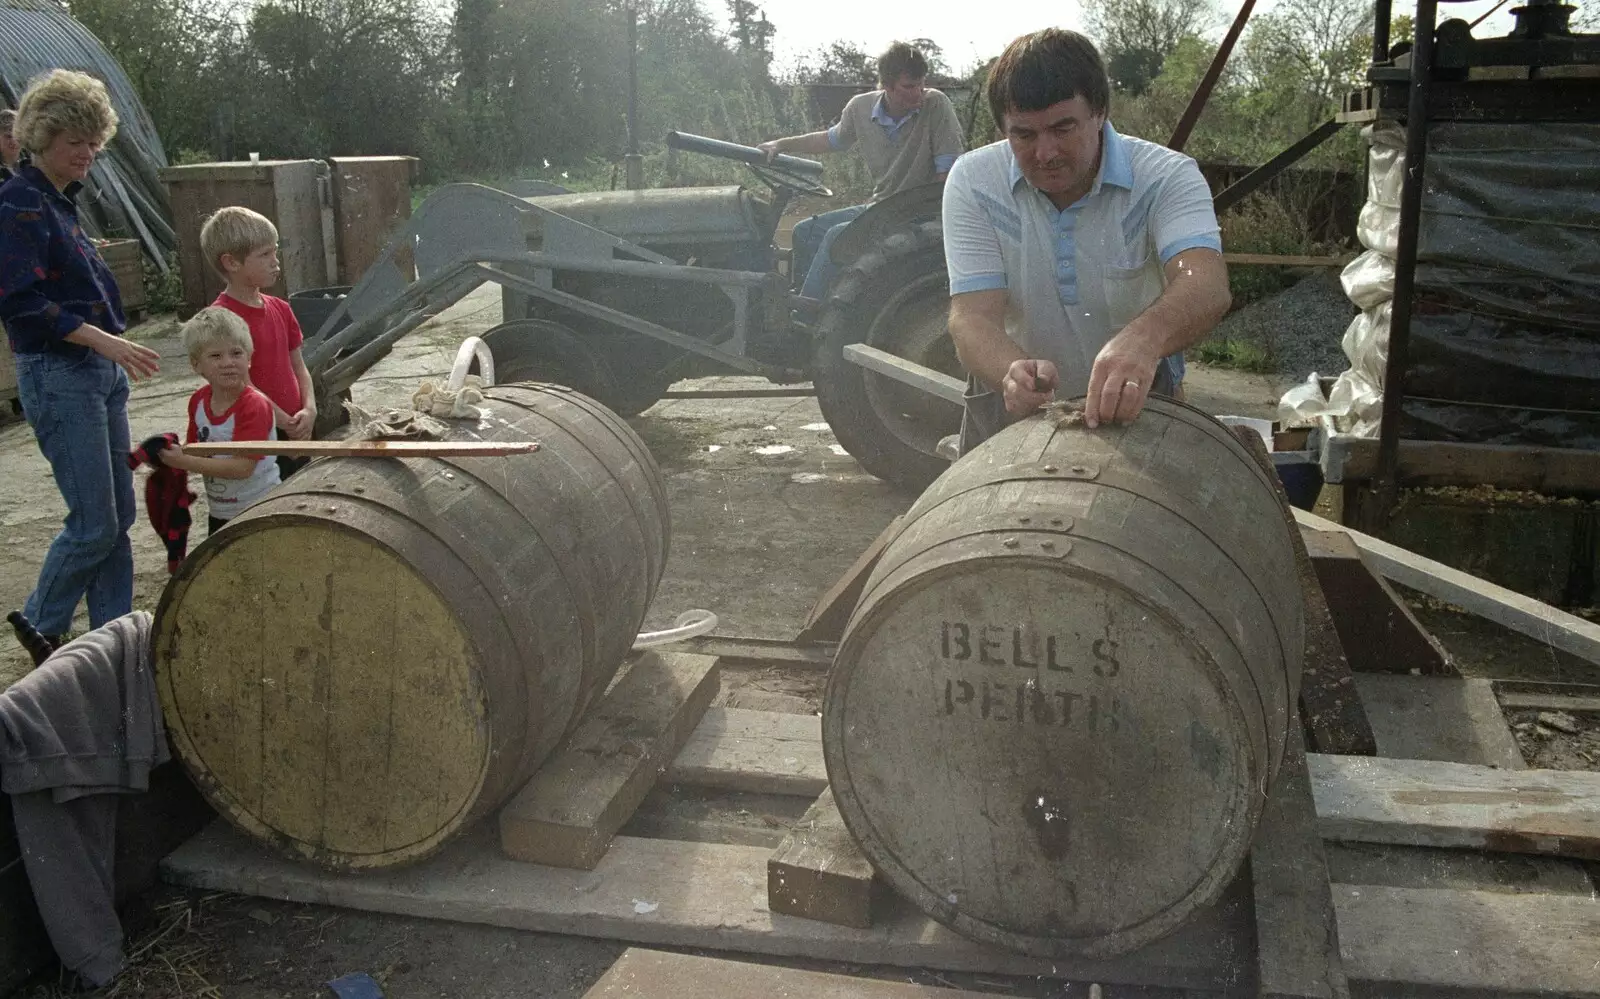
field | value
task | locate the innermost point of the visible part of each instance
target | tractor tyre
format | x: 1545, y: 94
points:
x: 538, y: 350
x: 895, y: 297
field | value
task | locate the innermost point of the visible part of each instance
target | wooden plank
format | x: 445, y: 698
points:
x: 935, y: 383
x: 832, y: 611
x: 768, y: 752
x: 1431, y: 803
x: 1438, y: 718
x: 818, y: 872
x: 1546, y: 945
x: 1330, y: 707
x: 1544, y: 696
x: 367, y: 449
x: 1297, y: 936
x: 662, y: 975
x: 568, y: 813
x: 764, y: 392
x: 1284, y: 260
x: 1522, y: 614
x: 766, y: 651
x: 1446, y: 463
x: 1377, y: 631
x: 673, y: 894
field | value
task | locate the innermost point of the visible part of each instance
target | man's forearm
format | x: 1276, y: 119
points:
x: 811, y: 142
x: 984, y: 348
x: 1195, y: 300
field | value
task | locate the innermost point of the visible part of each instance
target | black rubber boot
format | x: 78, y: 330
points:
x: 39, y: 646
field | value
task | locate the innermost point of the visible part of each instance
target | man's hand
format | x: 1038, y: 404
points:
x: 771, y: 149
x: 1029, y: 384
x: 300, y: 424
x: 1121, y: 378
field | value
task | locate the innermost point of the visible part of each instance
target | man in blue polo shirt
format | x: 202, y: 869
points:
x: 1082, y: 262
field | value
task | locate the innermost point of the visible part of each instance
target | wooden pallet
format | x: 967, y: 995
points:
x: 695, y: 892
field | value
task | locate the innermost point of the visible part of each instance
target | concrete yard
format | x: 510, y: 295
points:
x: 768, y: 511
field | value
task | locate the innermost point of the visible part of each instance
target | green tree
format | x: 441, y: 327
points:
x: 1136, y: 36
x: 838, y: 62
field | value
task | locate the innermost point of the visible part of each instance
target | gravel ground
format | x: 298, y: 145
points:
x: 1300, y: 328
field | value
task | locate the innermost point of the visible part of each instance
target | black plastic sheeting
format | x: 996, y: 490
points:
x: 1505, y: 330
x: 123, y: 195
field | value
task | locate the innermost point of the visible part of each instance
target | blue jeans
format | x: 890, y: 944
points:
x: 812, y: 239
x: 78, y: 408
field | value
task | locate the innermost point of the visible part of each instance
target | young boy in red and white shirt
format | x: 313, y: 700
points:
x: 242, y: 246
x: 227, y: 408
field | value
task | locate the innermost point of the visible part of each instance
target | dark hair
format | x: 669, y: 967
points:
x: 901, y: 60
x: 1045, y: 68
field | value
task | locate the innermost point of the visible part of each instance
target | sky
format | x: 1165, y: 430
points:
x: 968, y: 32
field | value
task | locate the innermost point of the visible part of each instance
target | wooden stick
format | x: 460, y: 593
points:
x: 1534, y: 618
x: 365, y: 449
x: 1284, y: 260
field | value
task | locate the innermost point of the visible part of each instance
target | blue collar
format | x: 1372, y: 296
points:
x: 880, y: 113
x: 33, y: 175
x: 1115, y: 166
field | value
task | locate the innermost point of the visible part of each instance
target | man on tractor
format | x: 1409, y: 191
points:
x: 907, y: 133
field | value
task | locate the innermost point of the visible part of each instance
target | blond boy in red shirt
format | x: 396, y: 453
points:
x: 243, y: 247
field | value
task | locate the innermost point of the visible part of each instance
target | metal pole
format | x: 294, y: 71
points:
x: 1380, y: 31
x: 633, y: 161
x: 1202, y: 93
x: 1386, y: 485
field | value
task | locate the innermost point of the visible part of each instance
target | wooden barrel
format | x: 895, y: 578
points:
x: 1055, y: 713
x: 382, y: 650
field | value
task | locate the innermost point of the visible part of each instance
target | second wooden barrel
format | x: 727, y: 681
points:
x: 382, y: 651
x: 1055, y: 713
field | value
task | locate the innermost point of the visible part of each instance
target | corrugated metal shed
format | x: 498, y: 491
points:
x: 124, y: 196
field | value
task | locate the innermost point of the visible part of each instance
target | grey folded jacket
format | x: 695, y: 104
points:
x: 76, y: 732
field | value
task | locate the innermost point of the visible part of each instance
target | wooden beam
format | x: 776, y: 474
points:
x: 1297, y: 936
x: 661, y: 975
x: 764, y: 651
x: 1457, y: 805
x: 767, y: 752
x: 1376, y: 628
x: 1283, y: 260
x: 764, y: 392
x: 673, y: 894
x: 1470, y: 942
x: 1446, y: 463
x: 1544, y: 696
x: 568, y: 813
x: 1522, y: 614
x: 1332, y: 713
x: 833, y: 609
x: 935, y: 383
x: 818, y: 872
x: 366, y: 449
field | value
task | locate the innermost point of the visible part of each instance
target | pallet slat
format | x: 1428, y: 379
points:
x: 568, y: 813
x: 1429, y: 803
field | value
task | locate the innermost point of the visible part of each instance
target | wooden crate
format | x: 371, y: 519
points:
x: 125, y: 257
x: 286, y: 191
x: 371, y: 199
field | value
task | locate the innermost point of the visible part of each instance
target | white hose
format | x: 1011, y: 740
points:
x: 686, y: 625
x: 471, y: 347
